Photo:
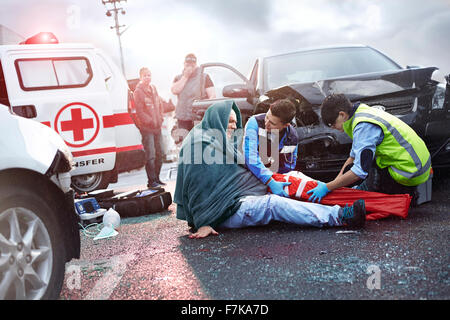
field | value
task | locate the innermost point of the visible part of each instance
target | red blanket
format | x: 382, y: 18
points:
x: 378, y: 205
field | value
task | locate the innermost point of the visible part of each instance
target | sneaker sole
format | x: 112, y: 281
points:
x: 360, y: 207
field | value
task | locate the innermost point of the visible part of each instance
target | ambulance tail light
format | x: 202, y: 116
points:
x: 42, y: 38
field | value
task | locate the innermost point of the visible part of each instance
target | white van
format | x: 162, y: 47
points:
x: 79, y: 92
x: 38, y: 224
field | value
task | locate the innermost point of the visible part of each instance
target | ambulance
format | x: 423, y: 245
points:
x: 76, y: 90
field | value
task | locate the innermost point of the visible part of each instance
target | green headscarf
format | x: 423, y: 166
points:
x: 211, y: 175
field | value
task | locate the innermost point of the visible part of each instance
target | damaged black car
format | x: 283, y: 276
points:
x: 361, y: 73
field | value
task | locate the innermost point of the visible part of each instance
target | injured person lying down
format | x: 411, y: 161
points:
x: 215, y: 190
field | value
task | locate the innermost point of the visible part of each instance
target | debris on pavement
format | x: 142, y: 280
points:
x: 347, y: 232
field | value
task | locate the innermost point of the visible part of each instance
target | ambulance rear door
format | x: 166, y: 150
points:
x: 130, y: 152
x: 66, y: 89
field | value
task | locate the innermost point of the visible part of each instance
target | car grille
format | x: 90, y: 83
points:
x: 396, y: 105
x: 320, y: 165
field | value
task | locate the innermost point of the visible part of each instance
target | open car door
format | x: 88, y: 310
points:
x: 229, y: 84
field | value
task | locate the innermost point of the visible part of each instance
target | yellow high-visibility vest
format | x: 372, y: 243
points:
x: 402, y: 150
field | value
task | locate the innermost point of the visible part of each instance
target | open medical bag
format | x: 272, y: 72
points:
x: 138, y: 202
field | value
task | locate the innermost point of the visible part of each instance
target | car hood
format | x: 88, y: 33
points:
x: 26, y: 143
x: 357, y: 87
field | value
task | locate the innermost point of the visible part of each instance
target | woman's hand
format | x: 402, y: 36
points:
x: 203, y: 232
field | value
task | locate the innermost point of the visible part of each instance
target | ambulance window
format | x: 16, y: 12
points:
x: 53, y: 73
x: 71, y: 72
x: 37, y: 73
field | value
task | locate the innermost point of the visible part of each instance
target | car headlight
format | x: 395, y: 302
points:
x: 68, y: 156
x: 63, y: 162
x: 438, y: 97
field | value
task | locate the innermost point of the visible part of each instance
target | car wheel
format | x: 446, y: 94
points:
x: 90, y: 182
x: 32, y: 248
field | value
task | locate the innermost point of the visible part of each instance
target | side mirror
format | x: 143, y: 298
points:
x: 235, y: 91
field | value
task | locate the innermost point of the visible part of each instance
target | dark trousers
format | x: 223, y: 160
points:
x: 153, y: 153
x: 380, y: 180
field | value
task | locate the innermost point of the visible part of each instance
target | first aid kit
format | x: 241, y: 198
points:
x: 132, y: 203
x: 138, y: 202
x: 89, y: 210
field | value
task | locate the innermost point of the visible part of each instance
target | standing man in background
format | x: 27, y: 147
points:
x: 149, y: 119
x: 187, y: 87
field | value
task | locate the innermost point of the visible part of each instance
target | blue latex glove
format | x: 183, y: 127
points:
x: 318, y: 192
x: 278, y: 187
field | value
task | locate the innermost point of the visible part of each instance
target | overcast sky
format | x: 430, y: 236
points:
x: 162, y: 32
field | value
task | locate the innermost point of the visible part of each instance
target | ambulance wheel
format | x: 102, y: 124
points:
x: 32, y: 250
x: 90, y: 182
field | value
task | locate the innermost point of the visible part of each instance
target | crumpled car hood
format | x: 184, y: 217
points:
x: 322, y: 149
x: 357, y: 87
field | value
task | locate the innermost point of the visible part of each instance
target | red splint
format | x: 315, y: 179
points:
x: 378, y: 205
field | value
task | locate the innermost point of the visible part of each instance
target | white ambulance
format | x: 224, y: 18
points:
x: 79, y: 92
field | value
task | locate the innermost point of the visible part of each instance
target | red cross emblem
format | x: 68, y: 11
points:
x: 78, y: 124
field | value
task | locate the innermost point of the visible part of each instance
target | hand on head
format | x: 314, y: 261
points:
x: 188, y: 71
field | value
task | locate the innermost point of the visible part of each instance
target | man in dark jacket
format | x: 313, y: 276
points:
x: 149, y: 120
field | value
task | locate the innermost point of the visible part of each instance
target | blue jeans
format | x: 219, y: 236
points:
x: 153, y: 153
x: 260, y: 210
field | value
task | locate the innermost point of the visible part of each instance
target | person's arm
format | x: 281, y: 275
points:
x: 178, y: 84
x: 251, y: 153
x: 203, y: 232
x: 366, y: 136
x: 294, y: 159
x: 343, y: 180
x: 347, y: 162
x: 323, y: 189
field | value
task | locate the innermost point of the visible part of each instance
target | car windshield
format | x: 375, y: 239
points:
x: 311, y: 66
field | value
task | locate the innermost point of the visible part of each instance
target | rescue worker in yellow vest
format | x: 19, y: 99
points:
x: 386, y: 153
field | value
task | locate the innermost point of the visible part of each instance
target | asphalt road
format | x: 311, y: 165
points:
x: 152, y: 258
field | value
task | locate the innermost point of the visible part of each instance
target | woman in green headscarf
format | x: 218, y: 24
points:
x: 214, y: 189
